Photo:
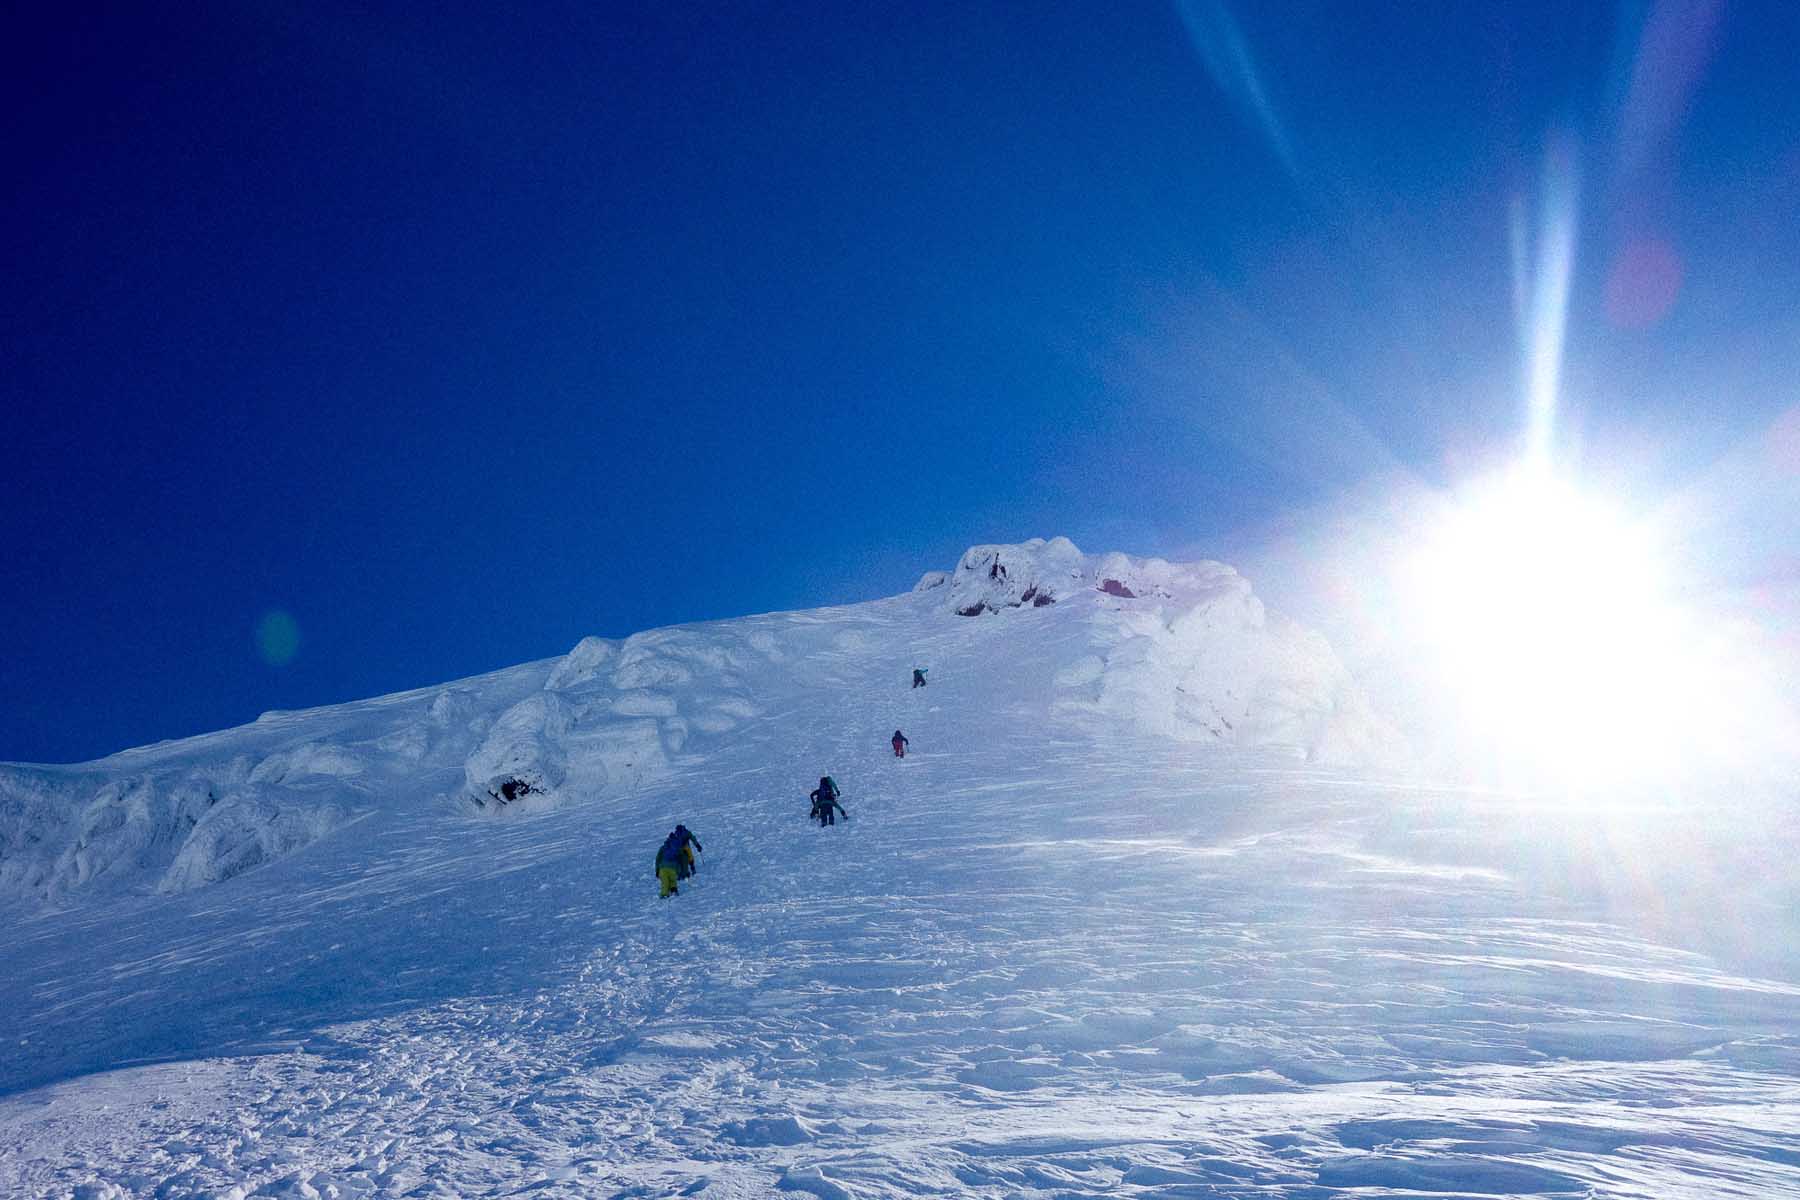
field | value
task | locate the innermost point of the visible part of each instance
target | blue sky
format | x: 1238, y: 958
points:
x: 454, y: 336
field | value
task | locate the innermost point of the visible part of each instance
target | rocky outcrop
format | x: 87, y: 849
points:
x: 1034, y: 574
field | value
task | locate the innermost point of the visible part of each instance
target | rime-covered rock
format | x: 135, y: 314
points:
x: 1032, y: 574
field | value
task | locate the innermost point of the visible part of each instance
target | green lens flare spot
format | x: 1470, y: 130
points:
x: 277, y: 638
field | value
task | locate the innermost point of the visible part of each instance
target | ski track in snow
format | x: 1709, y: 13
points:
x: 1030, y: 964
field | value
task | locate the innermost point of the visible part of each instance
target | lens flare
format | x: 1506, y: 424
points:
x: 1553, y: 621
x: 1225, y: 52
x: 1542, y: 293
x: 277, y: 638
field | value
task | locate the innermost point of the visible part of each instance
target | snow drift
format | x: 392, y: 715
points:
x: 1096, y: 645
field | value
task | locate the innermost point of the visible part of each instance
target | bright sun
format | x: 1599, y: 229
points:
x: 1552, y: 618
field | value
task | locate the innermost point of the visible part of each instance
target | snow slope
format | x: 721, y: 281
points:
x: 1189, y: 654
x: 1086, y: 940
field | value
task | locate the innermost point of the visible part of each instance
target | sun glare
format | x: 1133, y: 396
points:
x: 1553, y: 621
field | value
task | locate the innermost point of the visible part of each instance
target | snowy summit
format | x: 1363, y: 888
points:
x: 1143, y: 912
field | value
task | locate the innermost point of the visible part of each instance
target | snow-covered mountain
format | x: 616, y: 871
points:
x: 1140, y: 915
x: 1116, y: 643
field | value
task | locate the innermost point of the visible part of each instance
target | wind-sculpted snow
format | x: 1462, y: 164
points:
x: 1114, y: 927
x: 525, y: 745
x: 185, y: 814
x: 166, y: 830
x: 1026, y: 968
x: 990, y: 579
x: 582, y: 664
x: 244, y: 833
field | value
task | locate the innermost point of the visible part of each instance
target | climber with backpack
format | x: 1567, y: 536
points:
x: 825, y: 802
x: 686, y: 864
x: 675, y: 859
x: 919, y: 676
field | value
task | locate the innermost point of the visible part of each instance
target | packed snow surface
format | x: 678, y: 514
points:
x: 1140, y: 915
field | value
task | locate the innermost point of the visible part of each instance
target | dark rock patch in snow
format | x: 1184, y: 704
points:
x: 508, y: 791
